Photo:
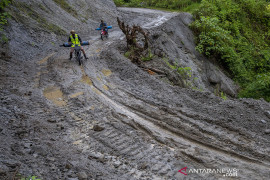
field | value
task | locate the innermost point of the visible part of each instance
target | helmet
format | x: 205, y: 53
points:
x: 72, y: 32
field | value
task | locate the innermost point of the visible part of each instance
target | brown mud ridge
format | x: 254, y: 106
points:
x: 110, y: 119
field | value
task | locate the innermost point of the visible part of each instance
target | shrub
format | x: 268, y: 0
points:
x: 237, y: 34
x: 3, y: 14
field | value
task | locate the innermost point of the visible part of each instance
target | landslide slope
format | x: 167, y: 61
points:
x: 110, y: 119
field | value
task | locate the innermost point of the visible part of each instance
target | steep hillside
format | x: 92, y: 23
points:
x: 110, y: 118
x: 39, y: 26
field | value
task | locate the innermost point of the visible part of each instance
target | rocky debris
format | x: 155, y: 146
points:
x: 97, y: 127
x: 267, y: 131
x: 267, y: 113
x: 3, y: 170
x: 156, y: 123
x: 52, y: 120
x: 68, y: 166
x: 263, y: 121
x: 117, y: 163
x: 82, y: 176
x: 98, y: 156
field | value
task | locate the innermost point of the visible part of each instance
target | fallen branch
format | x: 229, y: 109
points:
x: 135, y: 44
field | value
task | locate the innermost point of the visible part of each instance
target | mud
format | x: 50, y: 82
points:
x: 110, y: 119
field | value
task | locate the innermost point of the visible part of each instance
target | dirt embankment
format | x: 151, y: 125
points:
x: 110, y: 119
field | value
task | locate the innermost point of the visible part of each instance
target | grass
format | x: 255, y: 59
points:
x: 64, y: 5
x: 29, y: 11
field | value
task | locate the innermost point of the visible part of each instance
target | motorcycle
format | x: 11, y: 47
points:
x: 104, y: 32
x: 78, y: 54
x: 77, y: 50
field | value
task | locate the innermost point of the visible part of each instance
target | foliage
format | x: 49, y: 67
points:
x: 30, y: 178
x: 3, y: 19
x: 185, y: 73
x: 260, y: 87
x: 137, y: 41
x: 223, y: 96
x: 237, y: 34
x: 3, y: 14
x: 64, y: 5
x: 148, y: 57
x: 119, y: 2
x: 163, y: 4
x: 30, y: 11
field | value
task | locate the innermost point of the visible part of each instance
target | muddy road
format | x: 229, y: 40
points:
x: 110, y: 119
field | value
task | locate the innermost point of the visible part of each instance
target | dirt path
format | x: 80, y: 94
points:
x: 109, y: 119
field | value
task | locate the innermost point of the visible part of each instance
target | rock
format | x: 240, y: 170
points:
x: 267, y: 131
x: 263, y: 121
x: 51, y: 120
x: 143, y: 166
x: 214, y: 78
x: 51, y: 159
x: 2, y: 172
x: 267, y: 113
x: 98, y: 128
x: 156, y: 167
x: 97, y: 156
x: 117, y: 164
x: 82, y: 176
x: 40, y: 150
x: 68, y: 166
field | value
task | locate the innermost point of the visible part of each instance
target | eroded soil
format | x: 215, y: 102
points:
x: 110, y: 119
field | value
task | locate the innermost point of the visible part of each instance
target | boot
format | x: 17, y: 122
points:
x: 70, y: 56
x: 85, y: 56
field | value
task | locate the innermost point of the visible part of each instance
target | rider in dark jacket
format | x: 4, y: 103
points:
x: 103, y: 25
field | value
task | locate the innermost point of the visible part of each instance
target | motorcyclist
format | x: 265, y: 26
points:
x: 103, y: 25
x: 74, y: 39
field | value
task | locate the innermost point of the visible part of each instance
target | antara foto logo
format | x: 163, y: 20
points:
x: 224, y: 171
x: 183, y: 169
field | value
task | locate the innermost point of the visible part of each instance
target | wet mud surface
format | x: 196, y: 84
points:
x: 110, y: 119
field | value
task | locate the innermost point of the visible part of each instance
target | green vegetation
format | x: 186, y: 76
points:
x: 176, y: 5
x: 234, y: 32
x: 148, y: 57
x: 223, y: 96
x: 29, y: 11
x: 185, y: 73
x: 237, y: 34
x: 43, y: 8
x: 64, y: 5
x: 30, y: 178
x: 3, y: 18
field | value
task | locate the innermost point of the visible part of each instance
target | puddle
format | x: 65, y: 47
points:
x: 105, y: 87
x: 55, y: 95
x: 76, y: 94
x: 99, y: 78
x: 77, y: 142
x: 85, y: 79
x: 96, y: 90
x: 106, y: 72
x: 45, y: 59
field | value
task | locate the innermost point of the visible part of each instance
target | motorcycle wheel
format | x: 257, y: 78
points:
x: 79, y: 58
